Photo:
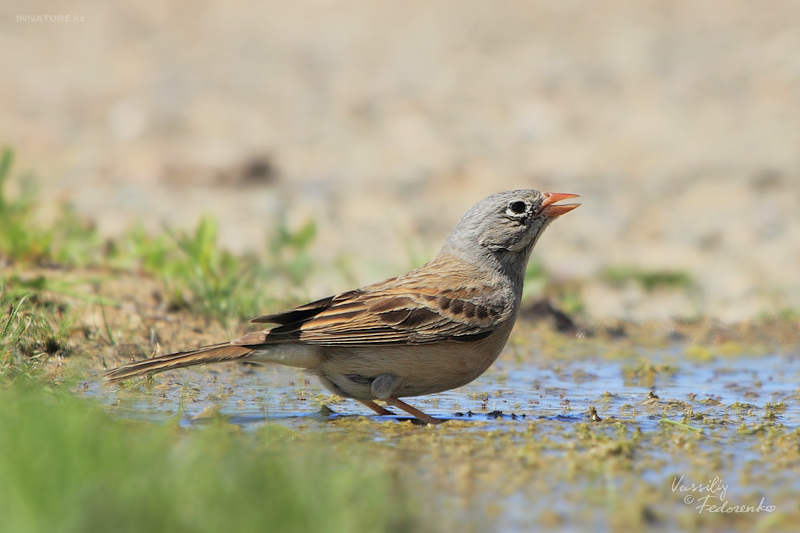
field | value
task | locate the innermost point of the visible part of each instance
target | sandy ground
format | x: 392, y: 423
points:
x: 676, y: 122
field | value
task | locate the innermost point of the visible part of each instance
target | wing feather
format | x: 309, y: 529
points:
x: 411, y: 309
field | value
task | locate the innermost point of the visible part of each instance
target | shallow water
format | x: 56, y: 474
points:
x: 525, y: 434
x: 508, y: 392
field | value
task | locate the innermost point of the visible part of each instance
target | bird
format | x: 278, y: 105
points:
x: 435, y: 328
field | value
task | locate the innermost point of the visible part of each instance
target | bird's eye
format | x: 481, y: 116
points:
x: 517, y: 208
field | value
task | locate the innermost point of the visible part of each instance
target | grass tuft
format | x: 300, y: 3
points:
x: 71, y: 242
x: 649, y: 280
x: 67, y: 466
x: 196, y: 272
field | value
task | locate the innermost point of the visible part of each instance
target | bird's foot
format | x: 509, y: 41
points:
x: 413, y: 411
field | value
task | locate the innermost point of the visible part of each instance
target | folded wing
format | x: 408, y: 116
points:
x: 398, y: 311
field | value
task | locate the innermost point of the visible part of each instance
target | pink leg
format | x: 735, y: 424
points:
x: 377, y: 408
x: 416, y: 413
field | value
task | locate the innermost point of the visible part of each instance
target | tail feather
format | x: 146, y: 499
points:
x: 209, y: 354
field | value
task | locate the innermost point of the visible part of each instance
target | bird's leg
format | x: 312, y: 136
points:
x: 377, y: 408
x: 416, y: 413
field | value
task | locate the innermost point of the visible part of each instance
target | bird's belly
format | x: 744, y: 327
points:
x: 421, y: 369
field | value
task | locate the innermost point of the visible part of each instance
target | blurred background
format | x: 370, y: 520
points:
x: 678, y: 123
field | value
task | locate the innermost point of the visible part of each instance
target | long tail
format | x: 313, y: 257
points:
x: 216, y: 353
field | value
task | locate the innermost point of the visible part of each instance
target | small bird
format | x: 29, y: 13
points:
x: 433, y: 329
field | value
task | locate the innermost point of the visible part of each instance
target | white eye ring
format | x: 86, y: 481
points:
x: 517, y: 209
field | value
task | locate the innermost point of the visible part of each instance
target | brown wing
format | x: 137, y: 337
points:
x: 305, y: 312
x: 411, y: 309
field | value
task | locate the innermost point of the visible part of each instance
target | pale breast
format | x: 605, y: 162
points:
x: 419, y: 369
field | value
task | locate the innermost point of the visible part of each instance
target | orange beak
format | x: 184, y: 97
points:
x: 551, y: 210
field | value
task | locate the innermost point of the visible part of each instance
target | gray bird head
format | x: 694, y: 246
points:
x: 500, y: 231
